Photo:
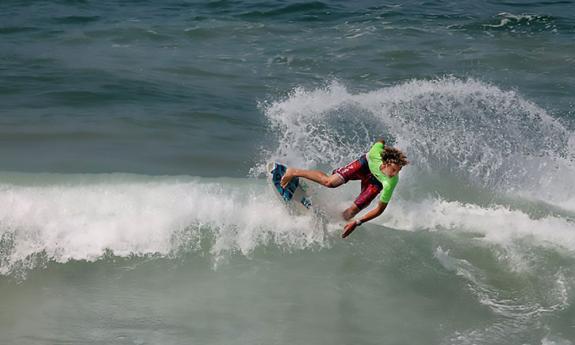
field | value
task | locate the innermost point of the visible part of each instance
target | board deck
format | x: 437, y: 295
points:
x: 295, y: 194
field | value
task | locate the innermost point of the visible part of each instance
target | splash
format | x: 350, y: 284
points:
x: 496, y: 224
x: 85, y: 220
x: 463, y: 129
x: 523, y: 23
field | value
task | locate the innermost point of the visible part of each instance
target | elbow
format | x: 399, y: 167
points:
x: 381, y: 207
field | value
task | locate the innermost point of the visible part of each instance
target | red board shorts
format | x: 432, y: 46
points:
x: 359, y: 170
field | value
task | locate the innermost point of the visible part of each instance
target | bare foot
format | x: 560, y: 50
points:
x: 286, y: 178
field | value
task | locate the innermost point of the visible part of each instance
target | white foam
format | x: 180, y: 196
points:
x: 82, y: 222
x: 497, y: 224
x: 555, y: 340
x: 492, y: 138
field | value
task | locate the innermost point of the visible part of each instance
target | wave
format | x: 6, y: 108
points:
x: 495, y: 224
x: 486, y: 162
x: 490, y: 170
x: 518, y: 307
x: 526, y: 24
x: 8, y: 30
x: 312, y: 10
x: 512, y: 20
x: 84, y: 217
x: 461, y: 130
x: 58, y: 218
x: 76, y: 19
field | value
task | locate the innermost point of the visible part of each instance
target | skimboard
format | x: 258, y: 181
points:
x: 295, y: 194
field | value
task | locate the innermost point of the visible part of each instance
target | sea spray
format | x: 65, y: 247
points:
x: 160, y: 216
x: 465, y: 129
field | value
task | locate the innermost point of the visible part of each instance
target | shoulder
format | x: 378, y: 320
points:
x: 377, y: 146
x: 375, y: 151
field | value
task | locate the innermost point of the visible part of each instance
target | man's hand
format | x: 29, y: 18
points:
x: 348, y: 228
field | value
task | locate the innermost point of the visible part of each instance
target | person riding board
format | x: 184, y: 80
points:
x: 378, y: 172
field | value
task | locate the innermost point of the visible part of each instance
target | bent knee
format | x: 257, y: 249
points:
x: 350, y: 212
x: 330, y: 184
x: 333, y: 181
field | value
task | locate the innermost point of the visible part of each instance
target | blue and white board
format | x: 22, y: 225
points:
x: 295, y: 194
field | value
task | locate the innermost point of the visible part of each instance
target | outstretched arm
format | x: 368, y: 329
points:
x: 375, y: 212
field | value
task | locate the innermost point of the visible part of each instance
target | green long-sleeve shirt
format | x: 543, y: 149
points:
x: 374, y: 162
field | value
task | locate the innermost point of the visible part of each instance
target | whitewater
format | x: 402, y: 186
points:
x: 486, y: 207
x: 508, y: 179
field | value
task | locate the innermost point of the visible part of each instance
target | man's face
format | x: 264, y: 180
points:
x: 390, y: 169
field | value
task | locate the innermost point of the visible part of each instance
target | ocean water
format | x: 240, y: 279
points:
x: 134, y: 207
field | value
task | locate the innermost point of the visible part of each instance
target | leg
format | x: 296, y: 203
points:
x: 369, y: 191
x: 350, y: 212
x: 339, y: 176
x: 313, y: 175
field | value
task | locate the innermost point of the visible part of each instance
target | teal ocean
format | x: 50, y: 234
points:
x: 134, y: 207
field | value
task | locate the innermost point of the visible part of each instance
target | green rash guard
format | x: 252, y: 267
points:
x: 374, y: 162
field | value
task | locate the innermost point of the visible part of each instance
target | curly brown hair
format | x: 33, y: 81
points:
x: 393, y: 155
